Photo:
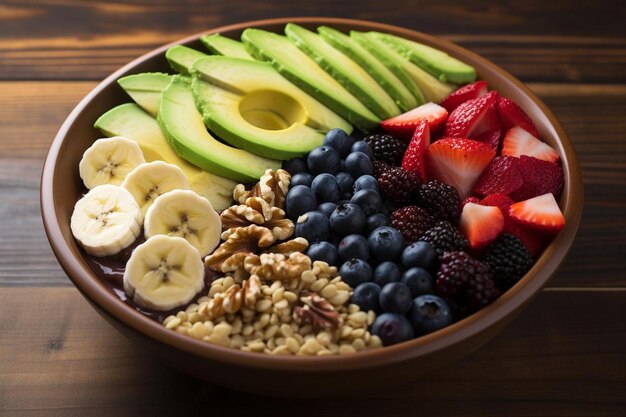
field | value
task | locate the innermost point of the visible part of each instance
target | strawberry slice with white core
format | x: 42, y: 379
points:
x: 463, y: 94
x: 474, y: 117
x: 481, y: 224
x: 413, y: 160
x: 518, y: 142
x: 458, y: 162
x: 405, y: 124
x: 542, y: 213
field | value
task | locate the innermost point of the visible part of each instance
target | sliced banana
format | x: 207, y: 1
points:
x: 149, y: 180
x: 163, y: 273
x: 109, y: 160
x: 106, y: 220
x: 185, y: 214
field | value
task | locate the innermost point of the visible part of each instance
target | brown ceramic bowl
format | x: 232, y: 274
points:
x: 296, y: 376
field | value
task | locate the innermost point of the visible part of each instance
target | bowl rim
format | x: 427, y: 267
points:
x: 506, y: 305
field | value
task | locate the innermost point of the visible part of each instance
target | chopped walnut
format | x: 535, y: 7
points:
x: 244, y: 239
x: 232, y: 300
x: 316, y: 311
x: 278, y: 267
x: 298, y: 244
x: 243, y: 215
x: 272, y: 187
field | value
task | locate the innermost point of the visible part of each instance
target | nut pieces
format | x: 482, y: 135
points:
x: 244, y: 239
x: 316, y: 311
x: 272, y: 187
x: 278, y: 267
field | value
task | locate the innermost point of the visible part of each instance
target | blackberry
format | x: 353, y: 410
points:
x: 386, y: 148
x: 380, y: 167
x: 509, y: 260
x: 445, y: 237
x: 442, y: 200
x: 412, y: 222
x: 466, y: 283
x: 398, y: 185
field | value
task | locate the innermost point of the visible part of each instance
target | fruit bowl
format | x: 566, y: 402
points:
x: 296, y: 376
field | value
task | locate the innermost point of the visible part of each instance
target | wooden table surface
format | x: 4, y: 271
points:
x: 565, y: 355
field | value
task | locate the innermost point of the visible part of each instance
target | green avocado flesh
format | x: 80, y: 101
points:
x: 301, y: 70
x: 221, y: 45
x: 186, y: 132
x: 343, y: 69
x: 387, y: 80
x: 145, y: 89
x: 181, y: 58
x: 436, y: 62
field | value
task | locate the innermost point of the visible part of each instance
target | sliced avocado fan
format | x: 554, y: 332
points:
x: 221, y: 45
x: 181, y: 58
x: 145, y: 89
x: 301, y: 70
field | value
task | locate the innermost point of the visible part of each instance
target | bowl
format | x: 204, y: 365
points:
x: 296, y: 376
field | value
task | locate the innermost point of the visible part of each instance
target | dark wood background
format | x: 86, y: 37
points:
x: 565, y: 355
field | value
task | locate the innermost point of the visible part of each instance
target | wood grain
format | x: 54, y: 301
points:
x: 57, y: 357
x: 71, y: 40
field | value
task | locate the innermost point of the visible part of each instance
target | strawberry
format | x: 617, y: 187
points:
x: 463, y: 94
x: 542, y: 213
x: 474, y: 117
x: 481, y: 224
x: 498, y: 200
x: 470, y: 199
x: 458, y: 162
x: 512, y: 115
x: 540, y: 177
x: 413, y: 160
x: 518, y: 141
x: 501, y: 176
x: 404, y: 125
x: 491, y: 138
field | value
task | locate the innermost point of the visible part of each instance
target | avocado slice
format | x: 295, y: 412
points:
x: 301, y: 70
x: 387, y: 80
x: 130, y: 121
x: 182, y: 57
x: 221, y: 45
x: 145, y: 89
x: 436, y: 62
x: 250, y: 105
x: 184, y: 128
x: 343, y: 69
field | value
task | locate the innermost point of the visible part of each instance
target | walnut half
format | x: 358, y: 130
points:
x: 316, y: 311
x: 278, y: 267
x: 243, y: 241
x: 272, y: 187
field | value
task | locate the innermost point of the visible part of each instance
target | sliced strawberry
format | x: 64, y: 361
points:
x: 540, y: 177
x: 404, y: 124
x: 512, y: 115
x: 481, y: 224
x: 491, y: 138
x: 501, y: 176
x: 499, y: 200
x: 518, y: 141
x: 458, y: 162
x: 474, y: 117
x: 463, y: 94
x: 413, y: 160
x: 470, y: 199
x: 542, y: 213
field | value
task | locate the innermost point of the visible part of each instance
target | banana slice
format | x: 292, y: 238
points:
x: 106, y: 220
x: 109, y: 160
x: 150, y: 180
x: 163, y: 273
x: 185, y: 214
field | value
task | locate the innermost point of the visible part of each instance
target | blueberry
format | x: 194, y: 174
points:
x: 323, y: 251
x: 387, y: 272
x: 347, y: 219
x: 355, y: 272
x: 386, y: 243
x: 342, y: 166
x: 361, y: 146
x: 326, y: 188
x: 418, y: 280
x: 429, y: 313
x: 369, y: 201
x: 353, y: 246
x: 375, y: 221
x: 358, y: 163
x: 299, y: 200
x: 395, y: 297
x: 327, y: 208
x: 365, y: 182
x: 301, y: 178
x: 392, y: 328
x: 340, y: 202
x: 323, y: 159
x: 420, y: 254
x: 366, y: 296
x: 295, y: 165
x: 345, y: 181
x: 313, y: 226
x: 339, y: 140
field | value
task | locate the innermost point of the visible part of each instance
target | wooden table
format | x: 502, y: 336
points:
x: 565, y: 355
